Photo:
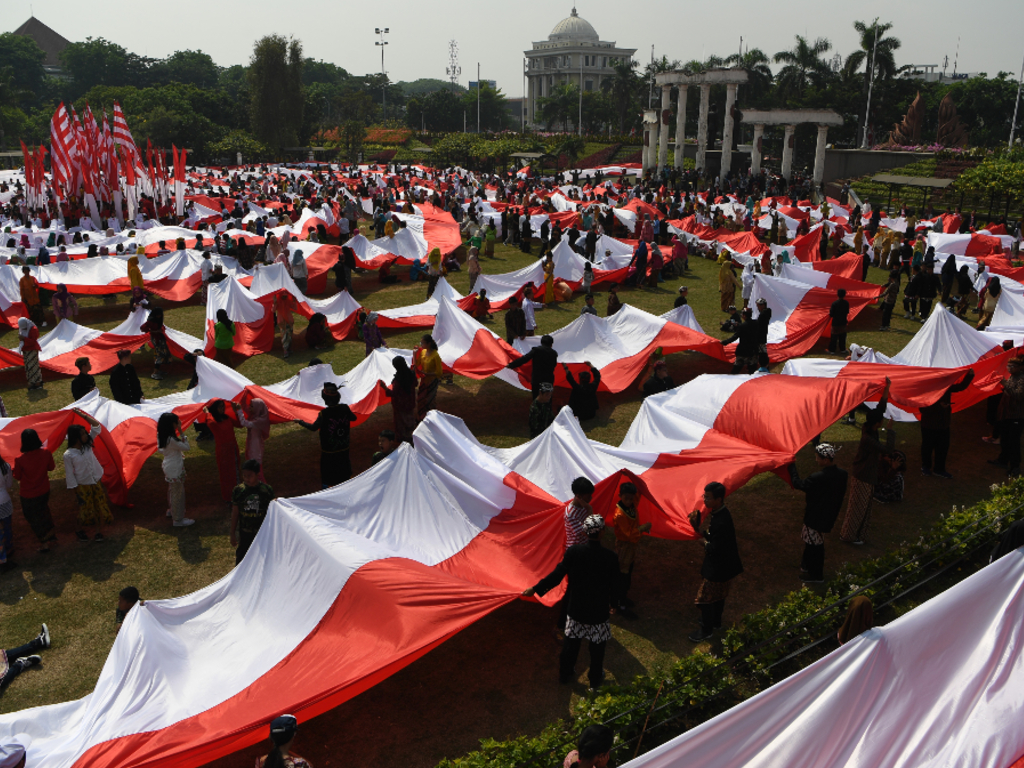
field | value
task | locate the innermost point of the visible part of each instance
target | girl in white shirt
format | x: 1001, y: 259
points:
x: 83, y: 473
x: 173, y: 444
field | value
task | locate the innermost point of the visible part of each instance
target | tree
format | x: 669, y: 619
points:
x: 190, y: 67
x: 437, y: 111
x: 759, y: 82
x: 571, y: 146
x: 494, y: 114
x: 318, y: 71
x: 428, y: 85
x: 101, y: 62
x: 234, y: 142
x: 885, y: 59
x: 561, y: 106
x: 25, y: 59
x: 276, y: 91
x: 597, y: 111
x: 803, y: 66
x: 622, y: 88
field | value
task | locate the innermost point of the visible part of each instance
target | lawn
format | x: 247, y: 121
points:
x: 498, y: 676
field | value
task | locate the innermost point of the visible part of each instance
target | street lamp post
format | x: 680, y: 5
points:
x: 384, y: 77
x: 1016, y: 106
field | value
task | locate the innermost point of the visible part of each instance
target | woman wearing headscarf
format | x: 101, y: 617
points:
x: 300, y: 273
x: 427, y: 364
x: 29, y: 335
x: 317, y: 334
x: 433, y: 270
x: 860, y: 617
x: 549, y: 279
x: 389, y: 229
x: 403, y: 399
x: 222, y: 426
x: 372, y: 336
x: 134, y: 273
x: 138, y: 299
x: 992, y: 292
x: 257, y: 427
x: 65, y: 306
x: 154, y: 326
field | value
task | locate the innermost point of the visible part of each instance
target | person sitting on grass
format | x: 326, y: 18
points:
x: 16, y: 660
x: 481, y: 307
x: 249, y: 504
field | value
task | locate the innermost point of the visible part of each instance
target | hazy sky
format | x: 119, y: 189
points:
x: 495, y: 35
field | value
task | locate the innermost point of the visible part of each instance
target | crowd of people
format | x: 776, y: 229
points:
x: 598, y: 579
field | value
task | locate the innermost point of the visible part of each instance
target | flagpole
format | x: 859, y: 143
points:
x: 1016, y: 106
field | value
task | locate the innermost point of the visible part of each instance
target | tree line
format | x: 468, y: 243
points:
x: 282, y: 99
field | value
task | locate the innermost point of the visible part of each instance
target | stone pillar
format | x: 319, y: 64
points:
x: 702, y: 125
x: 819, y: 155
x: 730, y: 101
x: 681, y: 126
x: 787, y: 152
x: 756, y: 153
x: 531, y: 112
x: 666, y: 103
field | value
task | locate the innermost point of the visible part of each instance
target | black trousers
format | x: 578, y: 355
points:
x: 926, y: 307
x: 711, y: 614
x: 245, y: 541
x: 887, y: 314
x: 837, y: 342
x: 13, y: 670
x: 910, y: 304
x: 335, y: 468
x: 934, y: 444
x: 571, y: 652
x: 432, y: 284
x: 813, y: 560
x: 1009, y: 441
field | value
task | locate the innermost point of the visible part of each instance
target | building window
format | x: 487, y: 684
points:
x: 588, y: 85
x: 605, y: 62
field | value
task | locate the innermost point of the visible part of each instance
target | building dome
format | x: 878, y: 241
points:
x: 574, y: 29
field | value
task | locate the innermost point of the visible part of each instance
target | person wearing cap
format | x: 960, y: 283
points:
x: 544, y: 359
x: 593, y: 574
x: 127, y: 599
x: 864, y: 475
x: 12, y: 755
x: 334, y: 425
x: 282, y: 734
x: 825, y: 491
x: 721, y: 560
x: 681, y: 300
x: 659, y: 379
x: 16, y: 660
x: 541, y: 412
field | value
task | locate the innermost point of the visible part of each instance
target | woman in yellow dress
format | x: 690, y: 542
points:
x: 427, y: 365
x: 134, y: 273
x: 549, y: 279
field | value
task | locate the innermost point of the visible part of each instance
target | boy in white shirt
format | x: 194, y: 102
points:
x: 83, y: 473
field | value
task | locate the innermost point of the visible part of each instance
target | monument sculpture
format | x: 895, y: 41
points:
x: 909, y: 131
x: 951, y: 132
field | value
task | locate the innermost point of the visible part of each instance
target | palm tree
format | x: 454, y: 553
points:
x: 755, y: 62
x: 885, y: 60
x: 623, y: 88
x: 562, y: 104
x: 803, y: 66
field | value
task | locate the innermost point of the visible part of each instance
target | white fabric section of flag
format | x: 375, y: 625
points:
x: 455, y: 331
x: 442, y: 291
x: 945, y: 342
x: 783, y: 297
x: 273, y: 278
x: 942, y: 685
x: 355, y: 385
x: 232, y: 296
x: 677, y: 420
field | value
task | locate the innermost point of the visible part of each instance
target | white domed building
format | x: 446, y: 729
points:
x: 573, y: 53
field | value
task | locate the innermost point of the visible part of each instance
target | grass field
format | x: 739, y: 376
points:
x: 498, y: 677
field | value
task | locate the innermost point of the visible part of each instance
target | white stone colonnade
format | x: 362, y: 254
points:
x: 790, y: 118
x: 658, y: 159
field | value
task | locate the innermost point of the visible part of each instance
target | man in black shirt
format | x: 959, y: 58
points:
x: 593, y: 573
x: 583, y: 400
x: 515, y: 321
x: 659, y: 380
x: 825, y: 491
x: 249, y: 504
x: 935, y: 429
x: 721, y: 560
x: 764, y: 321
x: 544, y: 359
x: 333, y: 424
x: 124, y: 381
x: 83, y: 383
x: 748, y: 335
x: 681, y: 300
x: 840, y: 314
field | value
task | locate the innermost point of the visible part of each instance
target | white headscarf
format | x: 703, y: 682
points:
x: 25, y: 327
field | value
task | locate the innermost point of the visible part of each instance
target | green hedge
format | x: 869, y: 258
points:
x: 703, y: 684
